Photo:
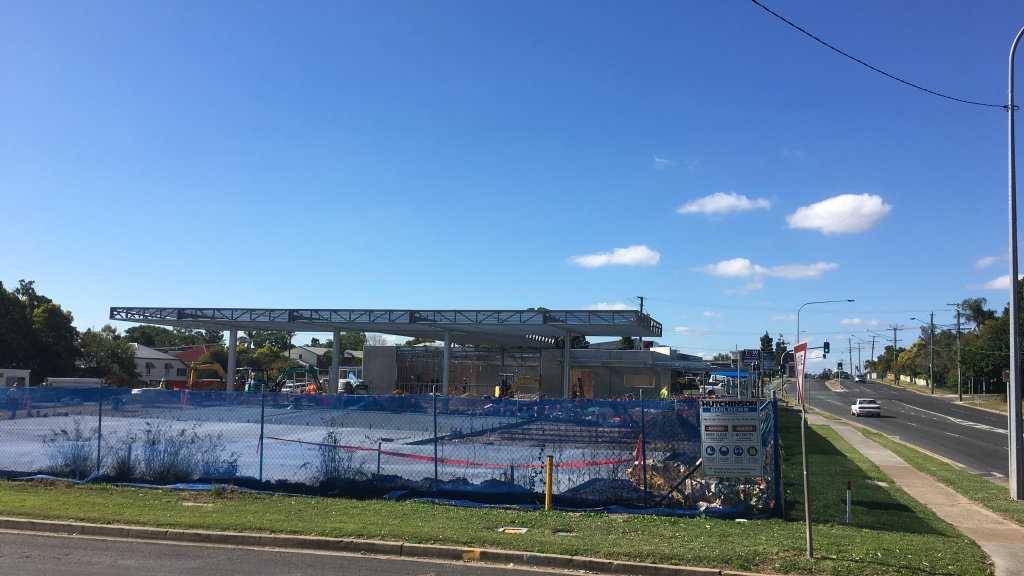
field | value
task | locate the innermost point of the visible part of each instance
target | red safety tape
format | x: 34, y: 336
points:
x: 464, y: 463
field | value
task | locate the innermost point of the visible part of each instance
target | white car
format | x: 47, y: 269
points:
x: 865, y: 407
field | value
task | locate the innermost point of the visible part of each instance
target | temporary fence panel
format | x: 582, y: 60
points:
x: 637, y: 454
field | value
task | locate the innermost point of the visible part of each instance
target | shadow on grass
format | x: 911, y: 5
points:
x: 874, y: 506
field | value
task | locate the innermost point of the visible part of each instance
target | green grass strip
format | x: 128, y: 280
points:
x: 891, y: 535
x: 981, y: 490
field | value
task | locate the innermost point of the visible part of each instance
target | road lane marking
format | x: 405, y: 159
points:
x: 959, y: 421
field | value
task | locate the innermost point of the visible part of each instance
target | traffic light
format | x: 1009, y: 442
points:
x: 825, y: 348
x: 840, y: 366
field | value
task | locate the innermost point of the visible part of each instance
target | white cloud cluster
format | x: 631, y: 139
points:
x: 744, y: 268
x: 986, y: 261
x: 783, y: 317
x: 723, y: 203
x: 609, y: 306
x: 843, y: 214
x: 859, y: 322
x: 688, y: 331
x: 662, y: 163
x: 1000, y: 283
x: 711, y: 314
x: 638, y: 255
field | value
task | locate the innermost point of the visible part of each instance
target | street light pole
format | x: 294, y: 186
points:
x: 1014, y: 391
x: 803, y: 429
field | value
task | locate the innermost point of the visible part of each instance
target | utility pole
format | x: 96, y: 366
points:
x: 959, y: 373
x: 640, y: 340
x: 873, y: 348
x: 895, y: 373
x: 931, y: 352
x: 849, y: 351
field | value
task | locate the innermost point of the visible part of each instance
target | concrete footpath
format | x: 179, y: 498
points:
x: 1000, y: 538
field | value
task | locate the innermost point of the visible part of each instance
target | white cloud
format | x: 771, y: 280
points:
x: 843, y: 214
x: 986, y: 261
x: 859, y: 322
x: 638, y: 255
x: 609, y: 306
x: 688, y: 331
x: 1000, y: 283
x: 783, y: 317
x: 744, y: 268
x: 662, y: 163
x: 723, y: 203
x: 801, y: 271
x: 710, y: 314
x: 733, y: 268
x: 692, y: 165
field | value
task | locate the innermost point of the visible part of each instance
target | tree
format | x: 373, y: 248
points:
x: 274, y: 338
x: 55, y: 342
x: 975, y: 312
x: 721, y: 357
x: 105, y: 354
x: 15, y: 331
x: 160, y: 337
x: 767, y: 343
x: 627, y: 343
x: 36, y: 333
x: 780, y: 350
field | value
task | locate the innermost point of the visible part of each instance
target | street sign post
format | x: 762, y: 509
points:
x: 800, y: 359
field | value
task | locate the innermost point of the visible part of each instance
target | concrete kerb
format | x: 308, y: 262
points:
x: 367, y: 547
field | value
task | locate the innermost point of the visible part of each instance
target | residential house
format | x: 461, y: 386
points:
x: 154, y: 366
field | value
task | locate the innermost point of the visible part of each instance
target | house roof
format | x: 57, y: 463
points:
x: 191, y: 354
x: 315, y: 350
x: 145, y: 352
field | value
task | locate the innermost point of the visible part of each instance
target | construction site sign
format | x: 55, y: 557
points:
x: 730, y: 441
x: 800, y: 365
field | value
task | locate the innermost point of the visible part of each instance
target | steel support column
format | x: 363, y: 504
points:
x: 566, y: 365
x: 447, y: 359
x: 232, y: 359
x: 332, y: 384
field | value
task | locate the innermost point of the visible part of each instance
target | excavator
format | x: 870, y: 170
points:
x: 300, y: 380
x: 197, y: 382
x: 254, y: 380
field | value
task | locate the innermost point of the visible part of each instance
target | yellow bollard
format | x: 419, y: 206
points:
x: 548, y: 470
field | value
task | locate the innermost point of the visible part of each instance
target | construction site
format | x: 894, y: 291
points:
x: 469, y: 423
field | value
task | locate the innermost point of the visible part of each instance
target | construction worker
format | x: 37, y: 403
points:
x: 664, y: 392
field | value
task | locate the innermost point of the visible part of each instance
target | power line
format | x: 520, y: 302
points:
x: 875, y: 68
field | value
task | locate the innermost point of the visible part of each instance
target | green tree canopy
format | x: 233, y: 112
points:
x: 105, y: 354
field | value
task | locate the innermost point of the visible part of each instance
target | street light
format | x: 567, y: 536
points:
x: 803, y: 428
x: 1013, y: 394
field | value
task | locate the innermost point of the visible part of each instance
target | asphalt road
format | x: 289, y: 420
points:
x: 975, y: 438
x: 44, y: 555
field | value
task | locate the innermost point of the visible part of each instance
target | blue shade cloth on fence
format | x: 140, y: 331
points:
x: 631, y: 454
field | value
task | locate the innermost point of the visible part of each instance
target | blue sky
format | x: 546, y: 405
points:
x: 460, y: 154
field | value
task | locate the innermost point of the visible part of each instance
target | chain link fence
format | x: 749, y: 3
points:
x: 641, y: 456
